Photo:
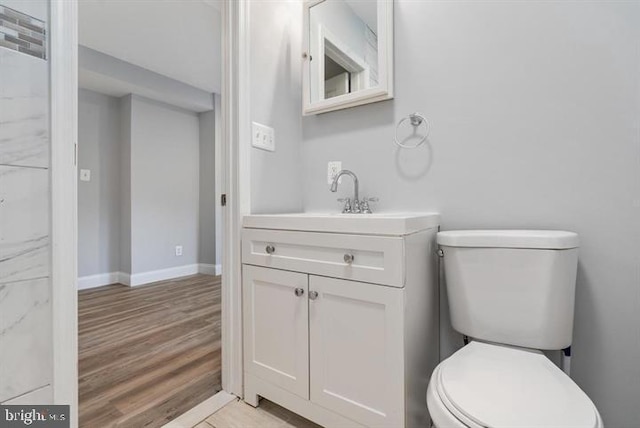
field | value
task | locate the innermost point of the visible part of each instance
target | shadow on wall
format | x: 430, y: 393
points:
x: 413, y: 164
x: 376, y: 115
x: 587, y: 312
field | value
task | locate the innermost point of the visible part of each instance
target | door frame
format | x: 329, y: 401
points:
x: 63, y: 59
x: 64, y: 235
x: 236, y: 146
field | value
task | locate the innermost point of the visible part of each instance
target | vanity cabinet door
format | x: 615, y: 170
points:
x: 276, y: 322
x: 356, y: 340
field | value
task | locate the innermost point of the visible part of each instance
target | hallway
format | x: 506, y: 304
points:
x: 150, y: 353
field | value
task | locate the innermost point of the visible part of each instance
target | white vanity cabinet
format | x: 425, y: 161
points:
x: 355, y: 350
x: 276, y: 318
x: 341, y: 328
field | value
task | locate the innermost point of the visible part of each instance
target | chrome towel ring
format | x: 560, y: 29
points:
x: 416, y: 120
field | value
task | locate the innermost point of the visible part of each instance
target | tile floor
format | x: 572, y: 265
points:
x: 237, y: 414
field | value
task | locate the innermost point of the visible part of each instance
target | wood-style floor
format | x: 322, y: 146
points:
x: 148, y: 354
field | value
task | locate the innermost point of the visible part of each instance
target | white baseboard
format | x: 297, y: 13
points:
x: 162, y: 274
x: 93, y: 281
x: 124, y: 278
x: 209, y: 269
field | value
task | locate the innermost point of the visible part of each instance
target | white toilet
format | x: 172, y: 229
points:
x: 512, y: 293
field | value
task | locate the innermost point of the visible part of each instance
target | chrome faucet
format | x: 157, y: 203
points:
x: 334, y: 185
x: 357, y: 206
x: 348, y: 208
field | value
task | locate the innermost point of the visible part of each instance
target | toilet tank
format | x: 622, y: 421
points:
x: 515, y: 287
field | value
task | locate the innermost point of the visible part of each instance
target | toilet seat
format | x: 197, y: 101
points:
x: 489, y: 385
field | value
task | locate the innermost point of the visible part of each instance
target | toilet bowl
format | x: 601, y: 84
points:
x: 490, y: 385
x: 512, y: 292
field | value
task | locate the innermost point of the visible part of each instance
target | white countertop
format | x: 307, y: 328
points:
x: 394, y: 224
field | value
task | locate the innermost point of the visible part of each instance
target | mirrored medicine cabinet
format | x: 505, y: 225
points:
x: 347, y: 54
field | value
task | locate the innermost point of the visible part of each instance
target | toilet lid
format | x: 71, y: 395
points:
x: 500, y: 386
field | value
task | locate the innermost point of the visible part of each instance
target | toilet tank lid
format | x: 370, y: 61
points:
x: 536, y: 239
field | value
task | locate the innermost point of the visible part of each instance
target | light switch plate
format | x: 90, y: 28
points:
x: 333, y: 168
x: 263, y: 137
x: 85, y: 175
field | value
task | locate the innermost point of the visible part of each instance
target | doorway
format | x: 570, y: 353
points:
x: 149, y: 220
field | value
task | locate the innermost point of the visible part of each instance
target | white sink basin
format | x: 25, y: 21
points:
x: 396, y: 224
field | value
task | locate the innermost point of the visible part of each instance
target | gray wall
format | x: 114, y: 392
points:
x: 99, y: 199
x: 276, y: 102
x: 207, y: 197
x: 165, y: 149
x: 26, y: 353
x: 125, y: 183
x: 535, y: 111
x: 161, y: 152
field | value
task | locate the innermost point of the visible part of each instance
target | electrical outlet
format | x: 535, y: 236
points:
x: 333, y: 168
x: 263, y: 137
x: 178, y: 250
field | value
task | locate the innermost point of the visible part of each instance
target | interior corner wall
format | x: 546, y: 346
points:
x: 276, y: 100
x: 99, y: 199
x: 125, y: 184
x: 207, y: 203
x: 165, y: 147
x: 134, y: 146
x: 535, y: 111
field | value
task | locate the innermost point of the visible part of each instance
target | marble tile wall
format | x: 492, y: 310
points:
x: 24, y: 106
x: 25, y: 286
x: 25, y: 337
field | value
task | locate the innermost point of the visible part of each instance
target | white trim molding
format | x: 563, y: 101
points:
x: 124, y: 278
x: 64, y: 223
x: 236, y: 151
x: 220, y: 179
x: 98, y: 280
x: 108, y: 278
x: 143, y: 278
x: 209, y: 269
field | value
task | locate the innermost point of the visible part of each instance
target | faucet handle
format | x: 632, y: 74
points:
x: 364, y: 205
x: 347, y: 205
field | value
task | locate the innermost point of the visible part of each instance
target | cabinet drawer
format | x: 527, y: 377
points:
x: 376, y: 259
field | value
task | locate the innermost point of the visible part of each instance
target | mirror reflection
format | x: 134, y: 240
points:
x: 343, y: 47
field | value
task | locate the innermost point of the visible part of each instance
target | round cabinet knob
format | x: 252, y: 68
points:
x: 313, y: 295
x: 299, y: 291
x: 349, y: 258
x: 270, y: 249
